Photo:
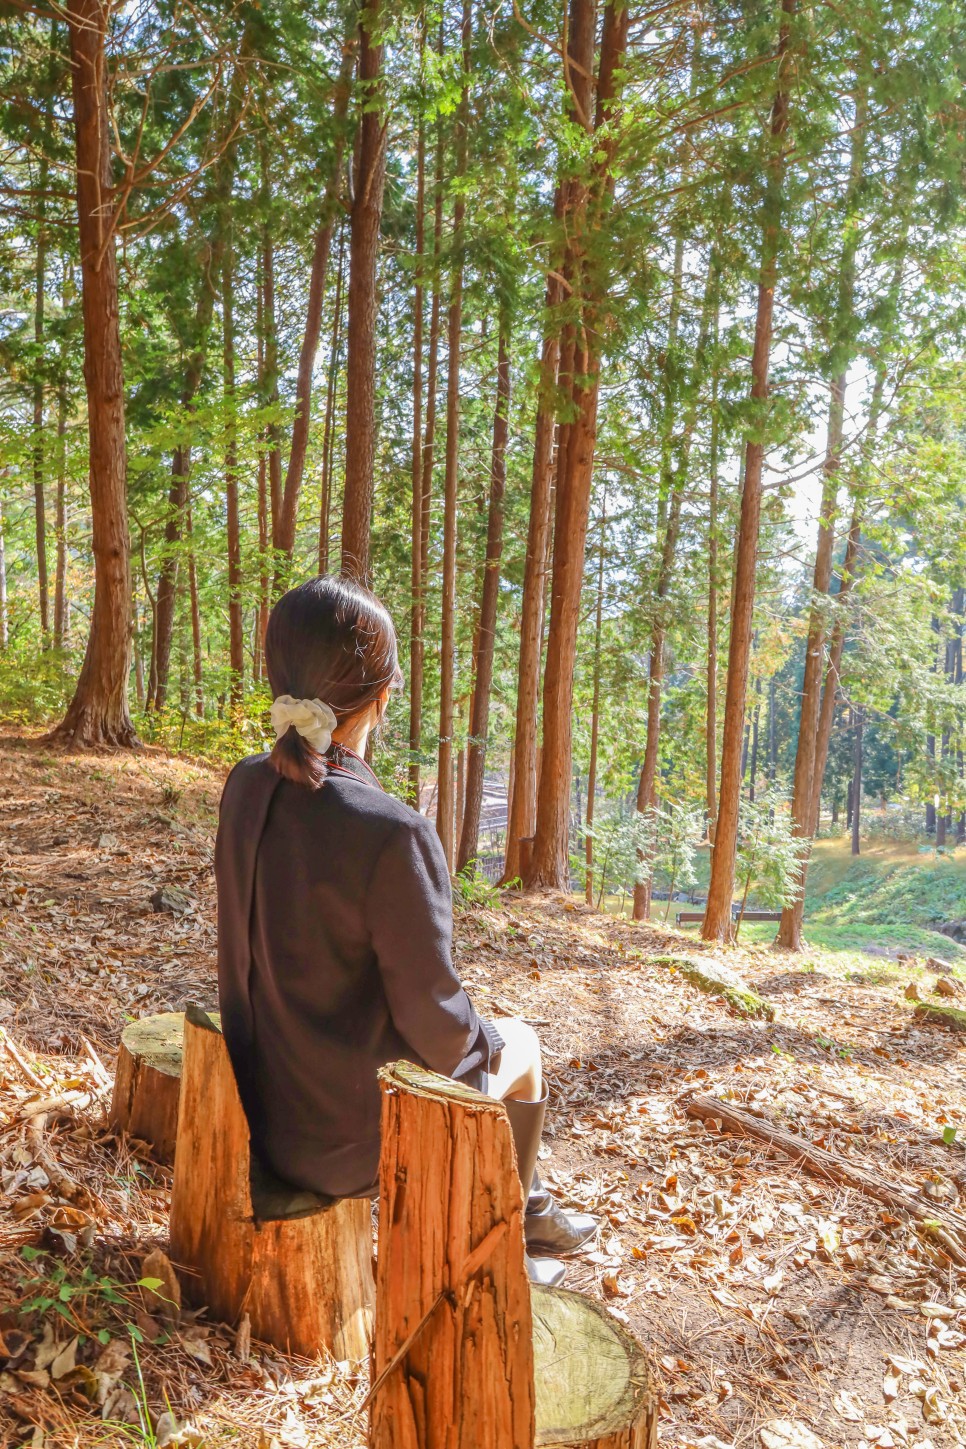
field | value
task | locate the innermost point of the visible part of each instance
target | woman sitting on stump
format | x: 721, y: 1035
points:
x: 335, y: 925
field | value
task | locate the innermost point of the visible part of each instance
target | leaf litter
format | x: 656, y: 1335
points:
x: 782, y: 1310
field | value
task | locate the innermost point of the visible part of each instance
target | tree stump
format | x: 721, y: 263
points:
x: 298, y: 1264
x: 462, y: 1356
x: 147, y: 1083
x: 592, y: 1379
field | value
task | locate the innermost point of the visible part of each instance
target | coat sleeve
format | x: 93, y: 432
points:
x: 409, y: 912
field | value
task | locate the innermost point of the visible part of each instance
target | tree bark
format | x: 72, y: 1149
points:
x: 585, y: 209
x: 465, y: 1353
x: 718, y: 923
x: 288, y: 508
x: 453, y: 1354
x: 858, y: 724
x: 328, y: 431
x: 416, y: 606
x: 195, y: 614
x: 209, y: 268
x: 270, y: 359
x: 236, y: 636
x: 365, y: 222
x: 753, y: 762
x: 264, y: 509
x: 300, y: 1266
x: 4, y: 616
x: 674, y: 482
x: 147, y: 1082
x: 98, y: 713
x: 521, y: 817
x: 40, y: 267
x: 60, y: 516
x: 486, y: 634
x: 595, y: 718
x: 804, y: 780
x: 714, y: 583
x: 454, y: 330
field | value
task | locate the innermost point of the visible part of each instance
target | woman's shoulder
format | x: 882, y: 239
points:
x: 350, y: 795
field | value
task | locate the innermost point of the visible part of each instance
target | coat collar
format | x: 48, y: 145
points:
x: 347, y: 762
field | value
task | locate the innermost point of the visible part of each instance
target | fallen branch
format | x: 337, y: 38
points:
x: 26, y: 1071
x: 947, y: 1229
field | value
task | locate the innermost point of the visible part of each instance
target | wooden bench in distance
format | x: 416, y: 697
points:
x: 299, y: 1265
x: 147, y: 1083
x: 691, y: 916
x: 463, y: 1354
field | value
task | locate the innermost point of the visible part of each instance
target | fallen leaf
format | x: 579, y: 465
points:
x: 788, y: 1434
x: 65, y: 1360
x: 847, y: 1407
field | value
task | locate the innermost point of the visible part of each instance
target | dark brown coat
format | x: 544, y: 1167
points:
x: 334, y: 957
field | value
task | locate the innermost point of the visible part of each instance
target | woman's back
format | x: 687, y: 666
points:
x: 334, y: 937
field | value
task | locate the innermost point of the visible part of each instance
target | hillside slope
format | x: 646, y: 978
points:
x: 766, y: 1295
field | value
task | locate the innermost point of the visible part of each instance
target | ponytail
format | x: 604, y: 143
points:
x: 295, y: 760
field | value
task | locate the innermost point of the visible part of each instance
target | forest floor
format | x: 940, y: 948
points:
x: 781, y: 1309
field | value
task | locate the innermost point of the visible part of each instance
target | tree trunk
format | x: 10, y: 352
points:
x: 40, y: 266
x: 60, y: 573
x: 714, y: 583
x: 521, y: 816
x: 674, y: 482
x: 858, y: 723
x: 195, y: 614
x: 147, y: 1082
x: 264, y: 511
x: 465, y: 1352
x: 236, y: 635
x: 486, y: 634
x: 837, y: 637
x: 4, y: 616
x: 328, y: 431
x: 365, y: 221
x: 595, y: 717
x: 452, y: 1298
x: 288, y: 508
x: 790, y: 930
x: 270, y: 395
x: 298, y: 1265
x: 755, y: 719
x: 416, y: 606
x: 585, y: 208
x: 98, y: 713
x: 209, y: 267
x: 447, y: 648
x: 717, y: 923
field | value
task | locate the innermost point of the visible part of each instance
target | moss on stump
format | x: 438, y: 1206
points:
x: 717, y: 980
x: 951, y: 1017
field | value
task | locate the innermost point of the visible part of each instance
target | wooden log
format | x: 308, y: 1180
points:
x: 716, y: 979
x: 461, y: 1354
x: 944, y: 1225
x: 298, y: 1264
x: 147, y: 1083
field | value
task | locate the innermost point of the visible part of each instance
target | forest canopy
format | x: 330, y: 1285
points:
x: 618, y: 347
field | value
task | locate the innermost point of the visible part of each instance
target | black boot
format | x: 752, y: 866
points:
x: 551, y: 1230
x: 547, y: 1228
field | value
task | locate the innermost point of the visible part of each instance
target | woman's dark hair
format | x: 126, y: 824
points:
x: 329, y: 639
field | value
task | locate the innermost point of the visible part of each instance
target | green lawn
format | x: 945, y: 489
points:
x: 885, y: 901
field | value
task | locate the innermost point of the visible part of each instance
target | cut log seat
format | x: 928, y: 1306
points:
x: 463, y: 1354
x: 299, y: 1265
x: 147, y: 1083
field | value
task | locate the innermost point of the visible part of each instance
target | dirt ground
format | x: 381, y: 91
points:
x: 781, y: 1309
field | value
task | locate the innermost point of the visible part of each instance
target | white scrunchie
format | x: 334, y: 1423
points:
x: 314, y: 720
